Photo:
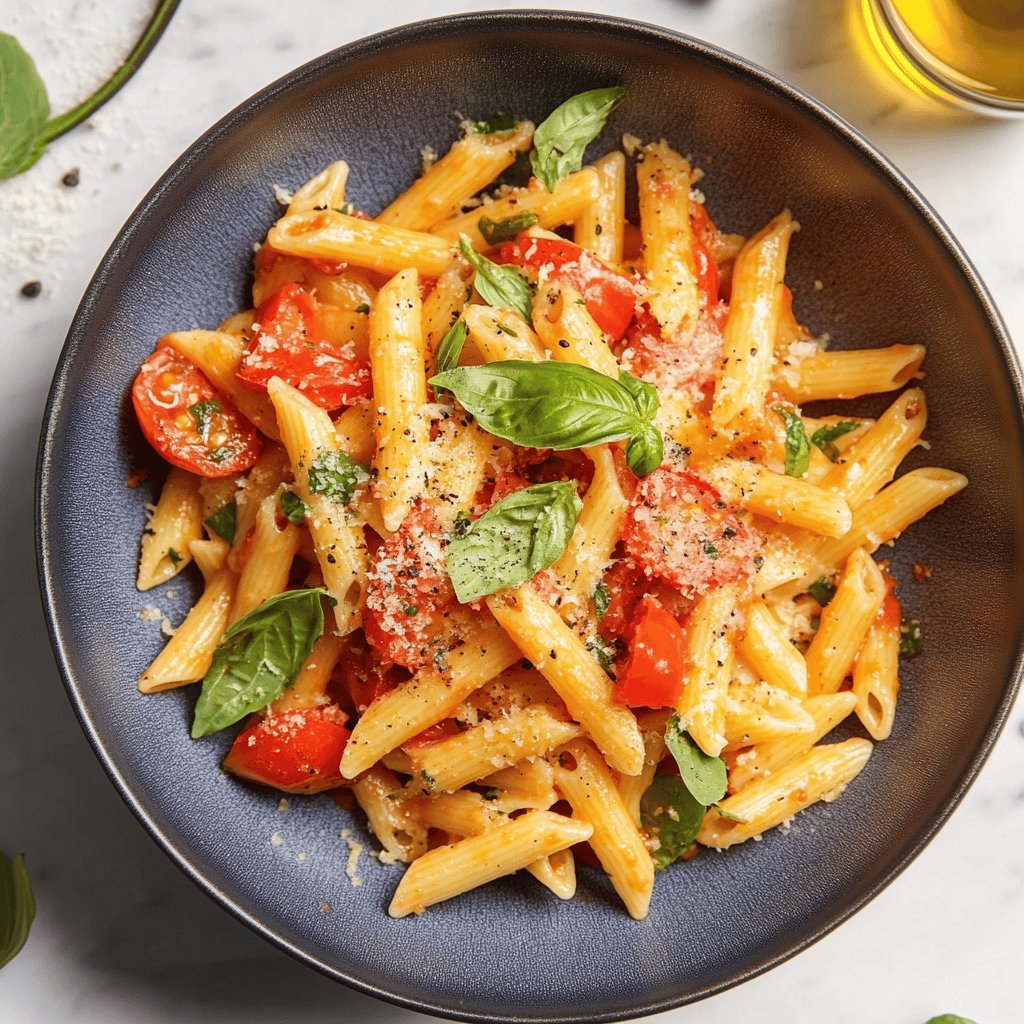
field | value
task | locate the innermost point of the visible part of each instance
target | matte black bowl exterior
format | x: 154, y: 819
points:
x: 512, y: 952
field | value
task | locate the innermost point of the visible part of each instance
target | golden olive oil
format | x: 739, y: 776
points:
x: 971, y: 50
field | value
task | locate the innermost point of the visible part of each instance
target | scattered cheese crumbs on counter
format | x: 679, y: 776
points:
x: 300, y: 857
x: 355, y: 850
x: 150, y: 613
x: 276, y: 839
x: 283, y: 196
x: 283, y: 805
x: 325, y: 907
x: 167, y: 628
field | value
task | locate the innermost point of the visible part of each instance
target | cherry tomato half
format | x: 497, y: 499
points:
x: 187, y: 421
x: 652, y: 676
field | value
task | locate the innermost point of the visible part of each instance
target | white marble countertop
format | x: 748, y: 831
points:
x: 121, y: 935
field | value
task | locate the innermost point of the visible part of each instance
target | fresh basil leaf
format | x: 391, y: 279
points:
x: 644, y: 394
x: 604, y: 653
x: 826, y: 437
x: 822, y: 591
x: 334, y: 475
x: 174, y: 555
x: 950, y: 1018
x: 450, y: 349
x: 203, y: 413
x: 220, y: 454
x: 258, y: 657
x: 500, y: 122
x: 728, y: 815
x: 293, y: 507
x: 645, y: 451
x: 17, y: 906
x: 514, y: 540
x: 24, y: 109
x: 705, y: 776
x: 911, y: 638
x: 503, y: 287
x: 602, y: 599
x: 670, y: 814
x: 495, y: 231
x: 561, y: 138
x: 558, y: 405
x: 798, y: 448
x: 223, y: 521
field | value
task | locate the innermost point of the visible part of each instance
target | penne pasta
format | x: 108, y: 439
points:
x: 175, y: 523
x: 826, y: 375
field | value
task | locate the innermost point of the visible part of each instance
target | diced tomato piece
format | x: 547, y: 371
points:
x: 298, y: 751
x: 626, y: 587
x: 291, y: 344
x: 433, y: 734
x: 408, y: 591
x: 703, y: 231
x: 652, y: 676
x: 364, y: 677
x: 891, y: 612
x: 188, y: 422
x: 678, y: 530
x: 610, y: 297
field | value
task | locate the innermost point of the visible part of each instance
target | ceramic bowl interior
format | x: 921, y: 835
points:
x: 891, y: 273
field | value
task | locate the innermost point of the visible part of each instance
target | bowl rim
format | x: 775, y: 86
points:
x: 410, y: 34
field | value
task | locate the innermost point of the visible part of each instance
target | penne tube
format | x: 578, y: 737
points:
x: 876, y: 679
x: 748, y: 344
x: 845, y: 621
x: 330, y: 235
x: 356, y: 433
x: 324, y: 191
x: 559, y: 655
x: 441, y: 308
x: 429, y: 696
x: 568, y: 331
x: 818, y: 774
x: 455, y: 762
x: 762, y: 759
x: 572, y: 195
x: 176, y: 521
x: 264, y: 479
x: 219, y: 356
x: 501, y: 334
x: 189, y: 653
x: 310, y: 686
x: 633, y: 787
x: 590, y: 787
x: 211, y: 556
x: 269, y: 563
x: 380, y: 795
x: 768, y: 649
x: 400, y: 394
x: 449, y: 871
x: 869, y: 371
x: 759, y: 713
x: 600, y: 229
x: 526, y: 784
x: 472, y: 163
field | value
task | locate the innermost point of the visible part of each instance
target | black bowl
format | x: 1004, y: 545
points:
x: 892, y: 272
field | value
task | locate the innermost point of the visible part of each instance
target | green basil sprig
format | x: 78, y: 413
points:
x: 822, y: 590
x: 495, y: 231
x: 499, y: 286
x: 26, y: 128
x: 798, y: 448
x: 514, y: 540
x: 258, y: 657
x: 336, y: 476
x: 223, y: 522
x: 450, y: 348
x: 293, y: 507
x: 911, y: 638
x: 704, y: 776
x: 825, y: 438
x: 670, y: 814
x: 497, y: 124
x: 602, y: 597
x: 17, y: 906
x: 562, y: 137
x: 561, y: 406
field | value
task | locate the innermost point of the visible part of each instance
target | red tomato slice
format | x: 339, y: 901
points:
x: 408, y: 591
x: 703, y: 231
x: 610, y: 296
x: 652, y: 676
x: 891, y: 612
x: 298, y: 751
x: 678, y: 530
x: 291, y: 344
x: 187, y: 421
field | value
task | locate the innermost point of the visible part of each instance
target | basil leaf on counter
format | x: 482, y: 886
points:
x: 670, y: 814
x: 24, y: 109
x: 511, y: 542
x: 602, y: 598
x: 450, y: 348
x: 503, y: 287
x: 798, y: 448
x: 911, y: 639
x: 822, y: 591
x: 17, y: 906
x: 561, y: 138
x: 223, y: 522
x: 258, y: 657
x: 334, y: 475
x: 559, y: 405
x: 825, y: 438
x: 495, y: 231
x: 293, y: 507
x: 705, y: 776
